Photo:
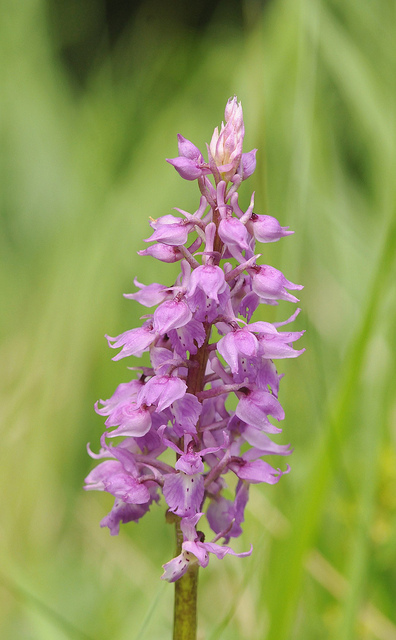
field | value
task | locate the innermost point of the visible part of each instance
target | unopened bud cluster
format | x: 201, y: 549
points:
x: 203, y: 347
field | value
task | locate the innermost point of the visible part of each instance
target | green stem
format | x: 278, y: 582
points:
x: 185, y: 611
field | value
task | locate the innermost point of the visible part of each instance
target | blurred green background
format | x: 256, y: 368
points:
x: 93, y: 96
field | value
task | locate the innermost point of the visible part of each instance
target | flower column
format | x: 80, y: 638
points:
x: 179, y: 401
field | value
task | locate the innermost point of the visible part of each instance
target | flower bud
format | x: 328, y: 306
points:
x: 225, y: 148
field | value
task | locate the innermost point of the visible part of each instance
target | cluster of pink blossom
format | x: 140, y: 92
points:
x: 203, y: 347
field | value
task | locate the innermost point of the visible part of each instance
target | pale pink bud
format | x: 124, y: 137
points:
x: 225, y: 148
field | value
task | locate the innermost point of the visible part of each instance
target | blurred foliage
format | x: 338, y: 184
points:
x: 93, y: 95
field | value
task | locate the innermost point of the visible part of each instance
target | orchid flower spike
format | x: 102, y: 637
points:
x: 202, y: 345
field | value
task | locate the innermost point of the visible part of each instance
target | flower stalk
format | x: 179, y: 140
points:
x: 185, y: 607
